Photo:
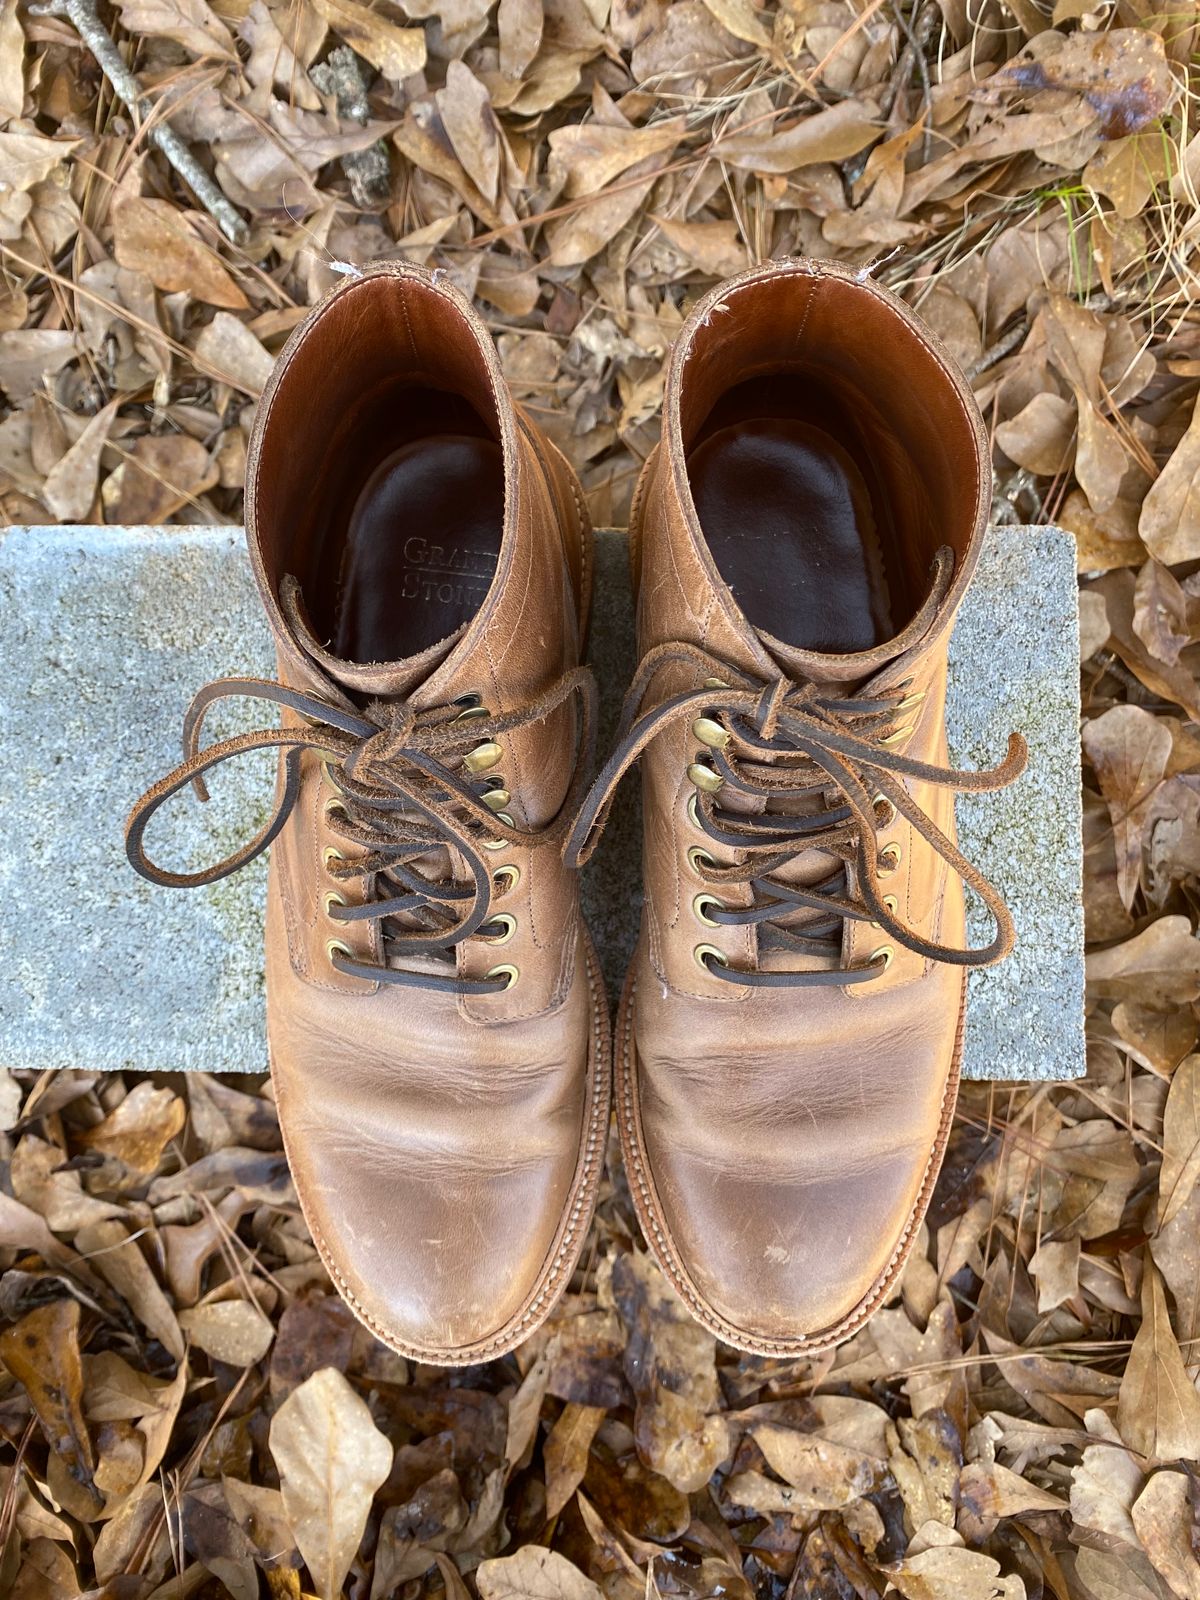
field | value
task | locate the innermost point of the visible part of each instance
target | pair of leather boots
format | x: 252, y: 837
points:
x: 787, y: 1050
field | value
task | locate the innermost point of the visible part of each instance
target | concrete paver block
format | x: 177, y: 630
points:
x: 109, y: 631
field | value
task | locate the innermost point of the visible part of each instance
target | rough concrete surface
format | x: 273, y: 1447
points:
x: 108, y: 632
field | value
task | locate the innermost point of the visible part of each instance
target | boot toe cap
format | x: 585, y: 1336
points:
x: 780, y: 1261
x: 446, y: 1266
x: 447, y: 1207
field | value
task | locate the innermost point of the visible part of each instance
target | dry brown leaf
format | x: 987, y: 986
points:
x: 39, y: 1182
x: 1129, y: 170
x: 1163, y: 1516
x: 397, y: 52
x: 714, y: 247
x: 1159, y: 1410
x: 12, y: 50
x: 233, y: 1331
x: 519, y: 23
x: 1122, y: 74
x: 534, y: 1574
x: 566, y: 1452
x: 1105, y: 1483
x: 994, y: 1491
x: 1055, y: 1268
x: 1040, y: 436
x: 1181, y: 1141
x: 138, y: 1130
x: 153, y: 236
x: 1125, y: 1575
x: 190, y: 23
x: 1158, y: 967
x: 160, y: 475
x: 590, y: 157
x: 832, y: 135
x: 471, y: 127
x: 1129, y: 750
x: 742, y: 20
x: 26, y: 159
x: 29, y: 356
x: 331, y: 1459
x: 822, y: 1473
x: 70, y: 487
x: 1160, y: 613
x: 42, y: 1353
x: 1170, y: 521
x: 232, y: 351
x: 119, y: 1261
x: 949, y: 1572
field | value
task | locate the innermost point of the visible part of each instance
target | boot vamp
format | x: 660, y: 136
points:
x: 433, y: 1155
x: 789, y: 1136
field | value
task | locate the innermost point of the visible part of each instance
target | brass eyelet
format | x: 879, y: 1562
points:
x: 698, y: 859
x: 693, y: 813
x: 710, y: 732
x: 333, y: 898
x: 509, y: 924
x: 889, y: 902
x: 499, y: 844
x: 506, y: 878
x: 703, y: 950
x: 334, y: 808
x: 510, y: 972
x: 886, y: 953
x: 896, y: 735
x: 331, y: 775
x: 483, y: 757
x: 705, y: 778
x: 495, y: 799
x: 911, y: 700
x: 330, y: 854
x: 335, y: 947
x: 885, y: 811
x: 890, y: 858
x: 472, y: 707
x: 700, y: 905
x: 715, y: 683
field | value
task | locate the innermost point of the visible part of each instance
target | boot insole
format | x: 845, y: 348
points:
x: 788, y: 517
x: 420, y: 548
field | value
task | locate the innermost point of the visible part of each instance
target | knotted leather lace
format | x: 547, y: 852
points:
x: 821, y: 760
x: 403, y: 793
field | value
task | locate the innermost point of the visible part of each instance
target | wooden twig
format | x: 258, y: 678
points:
x: 83, y: 16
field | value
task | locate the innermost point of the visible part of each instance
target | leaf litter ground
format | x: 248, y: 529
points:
x: 185, y: 1407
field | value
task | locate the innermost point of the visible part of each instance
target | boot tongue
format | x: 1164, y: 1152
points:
x: 813, y: 666
x: 375, y: 679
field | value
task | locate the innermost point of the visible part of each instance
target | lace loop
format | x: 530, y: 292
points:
x: 786, y: 743
x: 401, y: 796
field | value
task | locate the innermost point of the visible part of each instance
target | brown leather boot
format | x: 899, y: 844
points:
x: 790, y: 1035
x: 437, y: 1027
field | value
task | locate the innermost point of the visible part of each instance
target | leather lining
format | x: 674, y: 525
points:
x: 420, y: 549
x: 406, y: 529
x: 796, y: 518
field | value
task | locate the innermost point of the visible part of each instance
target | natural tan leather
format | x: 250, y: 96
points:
x: 415, y: 541
x: 782, y: 1143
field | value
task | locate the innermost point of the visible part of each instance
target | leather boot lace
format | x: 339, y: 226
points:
x: 821, y: 773
x: 404, y: 792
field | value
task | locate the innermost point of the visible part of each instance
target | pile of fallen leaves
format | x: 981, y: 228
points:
x: 185, y: 1407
